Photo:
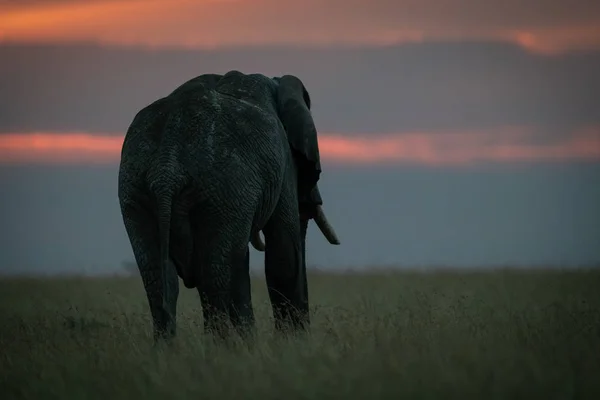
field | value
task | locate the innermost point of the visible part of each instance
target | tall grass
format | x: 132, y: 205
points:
x: 490, y: 335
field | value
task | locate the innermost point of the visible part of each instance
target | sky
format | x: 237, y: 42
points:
x: 452, y: 132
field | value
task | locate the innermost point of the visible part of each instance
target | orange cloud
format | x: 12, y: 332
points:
x: 459, y: 148
x: 432, y: 149
x: 212, y: 23
x: 59, y: 148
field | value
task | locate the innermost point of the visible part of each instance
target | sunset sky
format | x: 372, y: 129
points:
x: 452, y: 132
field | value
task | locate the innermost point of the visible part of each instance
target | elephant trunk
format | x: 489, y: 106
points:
x: 321, y: 220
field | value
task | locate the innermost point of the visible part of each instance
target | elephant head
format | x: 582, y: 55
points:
x: 293, y: 108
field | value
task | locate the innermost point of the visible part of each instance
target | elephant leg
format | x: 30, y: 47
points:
x: 284, y: 265
x: 225, y: 286
x: 162, y: 287
x: 241, y: 313
x: 215, y: 297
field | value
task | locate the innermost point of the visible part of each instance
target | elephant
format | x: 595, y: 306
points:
x: 203, y: 170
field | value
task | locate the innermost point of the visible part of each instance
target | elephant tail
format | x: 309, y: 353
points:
x: 164, y: 199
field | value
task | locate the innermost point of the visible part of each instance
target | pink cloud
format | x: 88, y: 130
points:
x: 505, y: 145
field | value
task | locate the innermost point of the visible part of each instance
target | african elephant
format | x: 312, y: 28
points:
x: 202, y: 171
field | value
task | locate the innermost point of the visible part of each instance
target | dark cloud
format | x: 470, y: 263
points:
x: 430, y: 86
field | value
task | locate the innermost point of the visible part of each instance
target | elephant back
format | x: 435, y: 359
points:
x: 256, y: 89
x: 202, y: 82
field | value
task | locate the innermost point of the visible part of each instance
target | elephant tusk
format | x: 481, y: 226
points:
x: 325, y: 226
x: 257, y: 242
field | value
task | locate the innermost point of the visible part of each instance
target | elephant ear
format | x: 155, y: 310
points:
x: 293, y: 107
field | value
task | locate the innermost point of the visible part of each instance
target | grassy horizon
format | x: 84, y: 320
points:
x: 492, y: 334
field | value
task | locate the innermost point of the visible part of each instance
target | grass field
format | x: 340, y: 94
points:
x: 490, y: 335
